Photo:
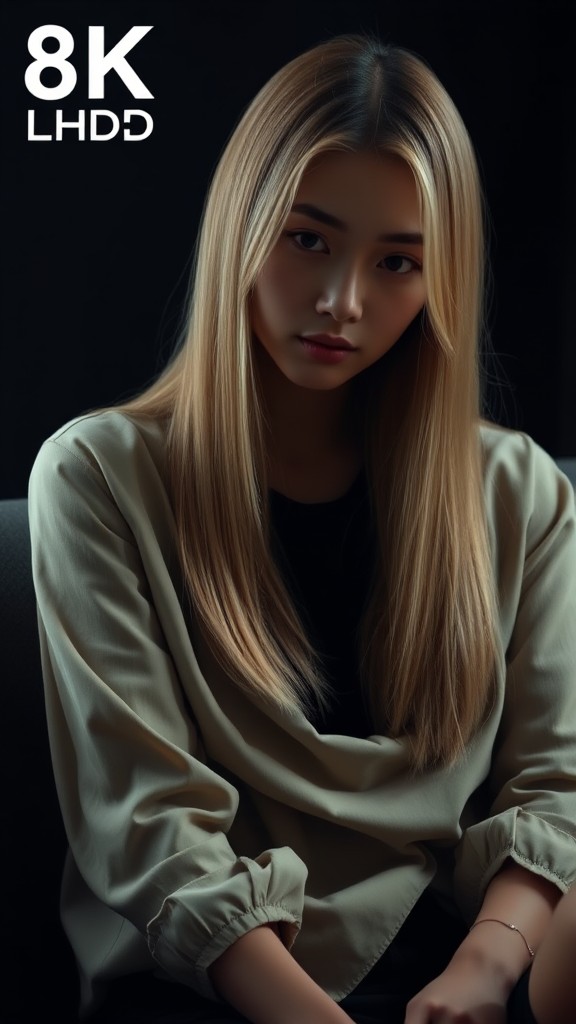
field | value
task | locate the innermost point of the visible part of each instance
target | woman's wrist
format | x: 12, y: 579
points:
x: 519, y: 897
x: 511, y: 927
x: 496, y: 950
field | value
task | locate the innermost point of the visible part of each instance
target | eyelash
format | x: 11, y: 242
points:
x: 294, y: 235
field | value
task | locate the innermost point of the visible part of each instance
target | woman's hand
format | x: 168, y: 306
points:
x: 470, y: 991
x: 476, y: 985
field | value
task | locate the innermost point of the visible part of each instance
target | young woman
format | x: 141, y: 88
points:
x: 307, y: 621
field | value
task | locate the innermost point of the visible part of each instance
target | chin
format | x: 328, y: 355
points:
x: 317, y: 384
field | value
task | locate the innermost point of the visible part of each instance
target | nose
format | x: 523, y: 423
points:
x: 341, y: 295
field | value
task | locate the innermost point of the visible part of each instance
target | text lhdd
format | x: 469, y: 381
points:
x: 95, y: 124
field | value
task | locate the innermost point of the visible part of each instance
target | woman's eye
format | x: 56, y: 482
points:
x: 399, y: 264
x: 308, y: 240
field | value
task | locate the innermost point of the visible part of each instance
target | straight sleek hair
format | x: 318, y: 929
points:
x: 428, y: 636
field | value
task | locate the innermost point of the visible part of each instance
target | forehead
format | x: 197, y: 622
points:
x: 368, y: 191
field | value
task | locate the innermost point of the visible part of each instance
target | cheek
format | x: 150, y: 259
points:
x: 407, y: 304
x: 276, y: 295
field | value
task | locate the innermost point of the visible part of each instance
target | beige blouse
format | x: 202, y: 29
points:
x: 195, y: 813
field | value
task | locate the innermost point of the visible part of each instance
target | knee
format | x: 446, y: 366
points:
x: 564, y: 919
x: 552, y: 984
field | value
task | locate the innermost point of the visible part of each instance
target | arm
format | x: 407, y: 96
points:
x: 146, y: 817
x: 515, y: 863
x: 488, y: 963
x: 518, y: 897
x: 261, y: 979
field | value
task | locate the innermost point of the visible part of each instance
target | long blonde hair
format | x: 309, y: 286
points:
x: 428, y: 633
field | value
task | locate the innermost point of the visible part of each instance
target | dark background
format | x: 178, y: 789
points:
x: 97, y: 236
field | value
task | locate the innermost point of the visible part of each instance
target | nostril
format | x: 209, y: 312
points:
x: 343, y: 308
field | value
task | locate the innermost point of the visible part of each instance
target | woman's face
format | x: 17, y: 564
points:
x: 344, y: 280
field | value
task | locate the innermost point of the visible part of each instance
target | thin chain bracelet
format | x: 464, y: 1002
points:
x: 512, y: 927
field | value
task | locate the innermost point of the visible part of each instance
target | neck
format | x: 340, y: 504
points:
x: 312, y: 436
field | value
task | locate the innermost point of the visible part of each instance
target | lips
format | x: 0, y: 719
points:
x: 331, y: 341
x: 327, y: 349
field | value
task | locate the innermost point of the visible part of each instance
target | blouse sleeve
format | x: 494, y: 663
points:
x: 146, y: 818
x: 532, y: 782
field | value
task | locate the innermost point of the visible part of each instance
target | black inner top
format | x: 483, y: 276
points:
x: 326, y: 554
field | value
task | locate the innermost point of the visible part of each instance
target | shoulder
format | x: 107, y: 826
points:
x: 513, y: 453
x: 105, y: 436
x: 103, y: 463
x: 513, y: 460
x: 525, y: 491
x: 109, y: 444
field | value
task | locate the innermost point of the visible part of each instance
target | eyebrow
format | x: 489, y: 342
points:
x: 405, y: 237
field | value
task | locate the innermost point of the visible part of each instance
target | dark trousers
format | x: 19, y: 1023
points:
x: 419, y: 953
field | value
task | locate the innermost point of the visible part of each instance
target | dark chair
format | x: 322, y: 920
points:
x: 40, y: 978
x: 39, y: 974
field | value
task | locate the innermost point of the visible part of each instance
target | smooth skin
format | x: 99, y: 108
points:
x: 335, y: 279
x: 348, y: 264
x: 259, y: 976
x: 552, y: 984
